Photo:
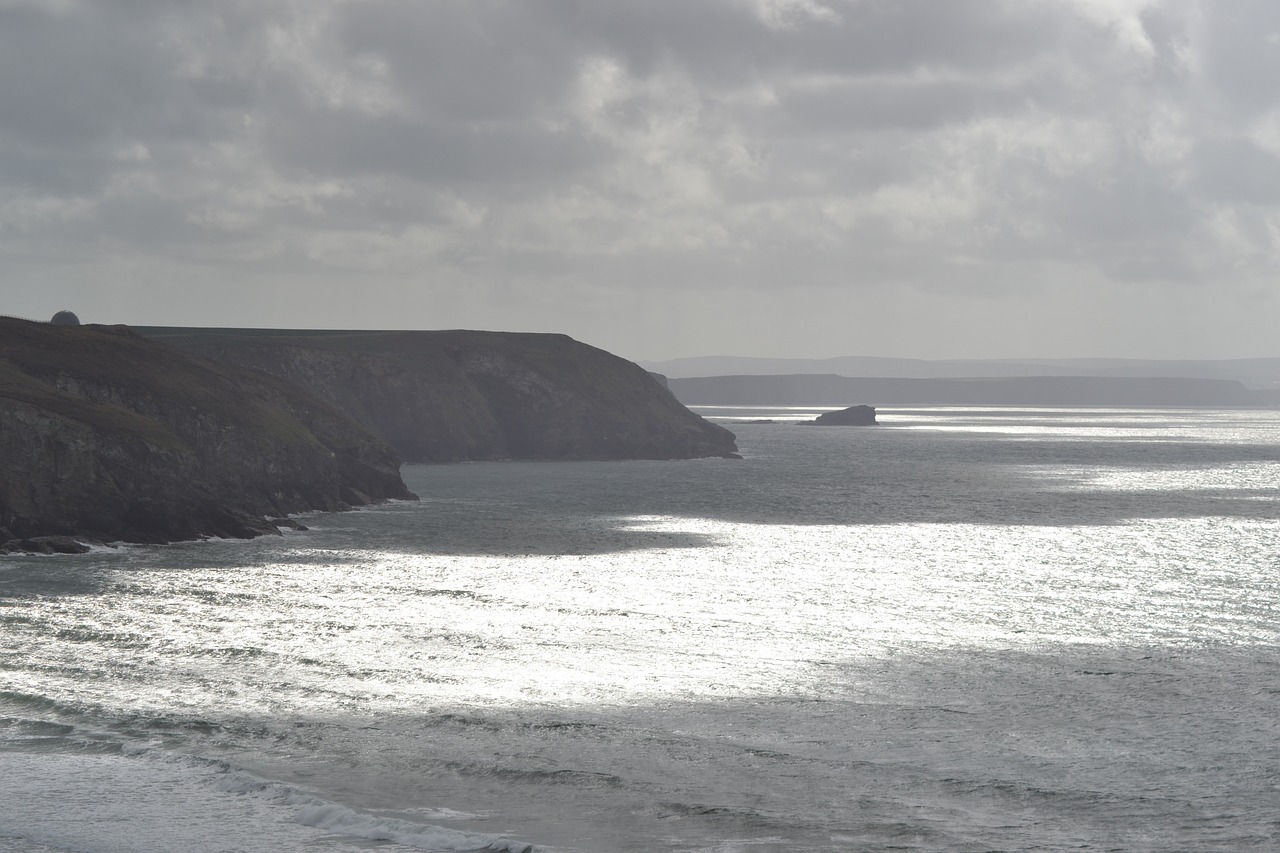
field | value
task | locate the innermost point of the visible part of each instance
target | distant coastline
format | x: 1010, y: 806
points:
x: 1257, y: 374
x: 837, y: 391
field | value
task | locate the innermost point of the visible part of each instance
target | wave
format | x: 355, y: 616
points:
x: 167, y: 799
x: 315, y: 812
x: 52, y: 740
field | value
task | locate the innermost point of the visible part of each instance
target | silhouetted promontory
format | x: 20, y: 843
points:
x: 447, y: 396
x: 184, y: 433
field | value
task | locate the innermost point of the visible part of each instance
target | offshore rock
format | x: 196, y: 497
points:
x: 105, y: 434
x: 852, y: 416
x: 453, y: 396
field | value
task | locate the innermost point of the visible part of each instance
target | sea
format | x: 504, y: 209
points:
x: 962, y: 630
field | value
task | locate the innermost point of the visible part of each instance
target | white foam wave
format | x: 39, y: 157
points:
x: 318, y: 813
x: 155, y: 800
x: 339, y: 819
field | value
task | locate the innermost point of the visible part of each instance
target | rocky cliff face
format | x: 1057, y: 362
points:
x: 464, y: 395
x: 108, y: 435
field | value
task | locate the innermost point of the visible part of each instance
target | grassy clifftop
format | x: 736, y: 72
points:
x: 458, y: 395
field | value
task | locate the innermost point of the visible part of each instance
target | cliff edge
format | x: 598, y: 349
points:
x: 447, y: 396
x: 108, y: 435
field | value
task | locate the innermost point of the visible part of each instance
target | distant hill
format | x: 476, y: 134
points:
x: 445, y: 396
x: 840, y: 391
x: 1256, y: 373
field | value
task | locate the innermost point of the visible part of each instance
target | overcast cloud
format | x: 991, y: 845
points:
x: 662, y: 178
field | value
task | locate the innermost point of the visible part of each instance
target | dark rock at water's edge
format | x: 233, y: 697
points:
x: 44, y: 545
x: 448, y: 396
x: 852, y: 416
x: 108, y: 435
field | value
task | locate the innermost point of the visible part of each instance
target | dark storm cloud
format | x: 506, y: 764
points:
x: 108, y: 70
x: 564, y: 148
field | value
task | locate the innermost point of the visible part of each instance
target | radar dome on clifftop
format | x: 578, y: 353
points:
x: 65, y: 318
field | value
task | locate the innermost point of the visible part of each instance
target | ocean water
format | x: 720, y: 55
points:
x: 963, y: 630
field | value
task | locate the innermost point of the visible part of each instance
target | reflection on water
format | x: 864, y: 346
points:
x: 1017, y: 634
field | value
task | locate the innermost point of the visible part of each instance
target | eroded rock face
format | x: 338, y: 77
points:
x: 464, y: 395
x: 852, y: 416
x: 43, y: 545
x: 107, y: 435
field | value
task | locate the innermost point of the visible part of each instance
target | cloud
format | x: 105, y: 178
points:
x: 854, y: 150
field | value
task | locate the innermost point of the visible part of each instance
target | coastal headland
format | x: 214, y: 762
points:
x: 113, y: 435
x: 449, y: 396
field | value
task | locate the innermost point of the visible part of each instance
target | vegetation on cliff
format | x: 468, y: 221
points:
x: 467, y: 395
x: 108, y: 435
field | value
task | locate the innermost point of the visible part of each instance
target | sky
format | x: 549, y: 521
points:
x: 660, y: 178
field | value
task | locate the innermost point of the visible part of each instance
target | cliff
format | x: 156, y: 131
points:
x: 105, y: 434
x: 465, y: 395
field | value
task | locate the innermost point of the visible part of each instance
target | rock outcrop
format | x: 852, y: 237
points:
x: 108, y: 435
x: 467, y: 395
x: 852, y: 416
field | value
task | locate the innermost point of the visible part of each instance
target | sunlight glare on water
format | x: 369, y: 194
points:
x: 1004, y: 630
x: 395, y: 629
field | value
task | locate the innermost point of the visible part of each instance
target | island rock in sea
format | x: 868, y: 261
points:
x: 448, y: 396
x: 107, y: 435
x: 852, y: 416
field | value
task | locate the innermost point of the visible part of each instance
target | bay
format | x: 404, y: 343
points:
x: 966, y: 629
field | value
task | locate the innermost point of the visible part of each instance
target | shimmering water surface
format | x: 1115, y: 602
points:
x: 964, y: 630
